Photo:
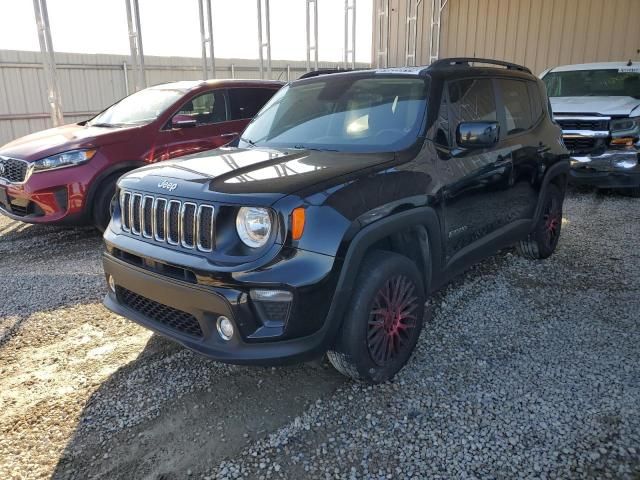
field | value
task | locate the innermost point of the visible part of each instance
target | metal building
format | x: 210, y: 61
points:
x: 536, y: 33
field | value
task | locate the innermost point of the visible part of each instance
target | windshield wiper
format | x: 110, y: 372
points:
x: 315, y: 149
x: 105, y: 125
x: 250, y: 142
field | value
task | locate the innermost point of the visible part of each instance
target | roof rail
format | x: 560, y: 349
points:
x: 326, y: 71
x: 446, y: 62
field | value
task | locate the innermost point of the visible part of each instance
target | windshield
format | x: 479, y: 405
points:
x: 140, y: 108
x: 591, y: 83
x: 345, y: 113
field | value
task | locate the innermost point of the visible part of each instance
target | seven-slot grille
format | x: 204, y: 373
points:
x: 13, y: 169
x: 175, y: 222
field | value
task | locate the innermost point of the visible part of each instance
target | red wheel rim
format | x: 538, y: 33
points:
x: 392, y: 319
x: 552, y: 218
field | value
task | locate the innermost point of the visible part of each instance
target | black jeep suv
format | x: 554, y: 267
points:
x: 347, y: 201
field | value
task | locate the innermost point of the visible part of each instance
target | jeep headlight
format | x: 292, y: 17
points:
x: 64, y: 159
x: 254, y: 226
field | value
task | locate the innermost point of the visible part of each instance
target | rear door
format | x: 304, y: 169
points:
x: 211, y: 129
x: 520, y: 114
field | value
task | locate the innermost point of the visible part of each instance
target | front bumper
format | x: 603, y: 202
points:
x: 56, y: 196
x: 197, y: 306
x: 611, y: 169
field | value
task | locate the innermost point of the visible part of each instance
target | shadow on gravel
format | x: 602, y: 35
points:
x: 170, y: 412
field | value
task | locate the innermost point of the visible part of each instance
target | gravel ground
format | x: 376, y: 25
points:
x: 526, y: 369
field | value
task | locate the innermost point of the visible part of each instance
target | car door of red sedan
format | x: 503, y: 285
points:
x: 201, y: 123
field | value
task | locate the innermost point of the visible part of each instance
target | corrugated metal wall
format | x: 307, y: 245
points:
x: 536, y: 33
x: 89, y: 83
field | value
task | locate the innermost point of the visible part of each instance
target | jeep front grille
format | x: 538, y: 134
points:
x: 13, y: 170
x: 178, y: 223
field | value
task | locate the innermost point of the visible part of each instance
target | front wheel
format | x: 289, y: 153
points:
x: 384, y: 321
x: 101, y: 209
x: 543, y: 240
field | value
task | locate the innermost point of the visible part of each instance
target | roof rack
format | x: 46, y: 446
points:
x: 446, y: 62
x: 326, y: 71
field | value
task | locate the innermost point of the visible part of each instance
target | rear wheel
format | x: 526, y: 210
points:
x: 101, y: 209
x: 542, y: 242
x: 384, y: 321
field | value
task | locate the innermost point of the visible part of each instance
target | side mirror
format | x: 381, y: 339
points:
x: 183, y: 121
x: 477, y: 134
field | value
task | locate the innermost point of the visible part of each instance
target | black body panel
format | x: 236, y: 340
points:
x: 443, y: 206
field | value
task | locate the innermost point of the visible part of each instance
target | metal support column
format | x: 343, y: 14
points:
x: 437, y: 6
x: 206, y: 37
x: 411, y: 38
x: 267, y: 44
x: 349, y: 36
x: 382, y: 49
x: 135, y: 43
x: 48, y: 61
x: 313, y: 47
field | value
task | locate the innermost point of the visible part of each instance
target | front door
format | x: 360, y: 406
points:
x: 202, y: 123
x: 471, y: 177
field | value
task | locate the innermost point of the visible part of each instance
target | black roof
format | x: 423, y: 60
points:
x: 441, y: 69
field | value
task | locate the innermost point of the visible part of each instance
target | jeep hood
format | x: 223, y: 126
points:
x: 258, y: 175
x: 615, y: 106
x: 61, y: 139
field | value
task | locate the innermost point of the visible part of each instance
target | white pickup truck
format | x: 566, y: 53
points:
x: 598, y: 107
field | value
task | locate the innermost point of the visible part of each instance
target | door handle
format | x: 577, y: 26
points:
x: 234, y: 134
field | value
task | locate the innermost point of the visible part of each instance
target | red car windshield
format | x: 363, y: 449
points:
x: 140, y: 108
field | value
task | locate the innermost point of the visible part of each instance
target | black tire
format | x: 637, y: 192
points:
x: 543, y: 240
x: 101, y: 208
x: 376, y: 339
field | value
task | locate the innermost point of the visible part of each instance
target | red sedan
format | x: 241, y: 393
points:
x: 68, y: 174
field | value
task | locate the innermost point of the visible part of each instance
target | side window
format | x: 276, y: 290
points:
x: 442, y: 123
x: 246, y: 102
x: 517, y: 108
x: 207, y: 108
x: 537, y: 108
x: 471, y: 100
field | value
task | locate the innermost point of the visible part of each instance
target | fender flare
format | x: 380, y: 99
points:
x: 557, y: 169
x: 425, y: 218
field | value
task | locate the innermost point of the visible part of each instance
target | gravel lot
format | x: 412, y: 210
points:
x: 526, y: 369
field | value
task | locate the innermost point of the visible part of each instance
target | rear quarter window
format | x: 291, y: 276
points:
x: 536, y: 99
x: 516, y: 104
x: 246, y: 102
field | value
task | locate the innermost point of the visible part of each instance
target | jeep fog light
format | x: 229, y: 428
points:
x: 225, y: 327
x: 112, y: 283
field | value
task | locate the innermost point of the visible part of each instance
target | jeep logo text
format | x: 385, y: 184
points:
x: 168, y: 185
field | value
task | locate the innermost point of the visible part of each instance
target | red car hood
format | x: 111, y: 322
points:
x: 68, y: 137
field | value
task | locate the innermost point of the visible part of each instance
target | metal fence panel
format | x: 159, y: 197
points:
x: 91, y: 82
